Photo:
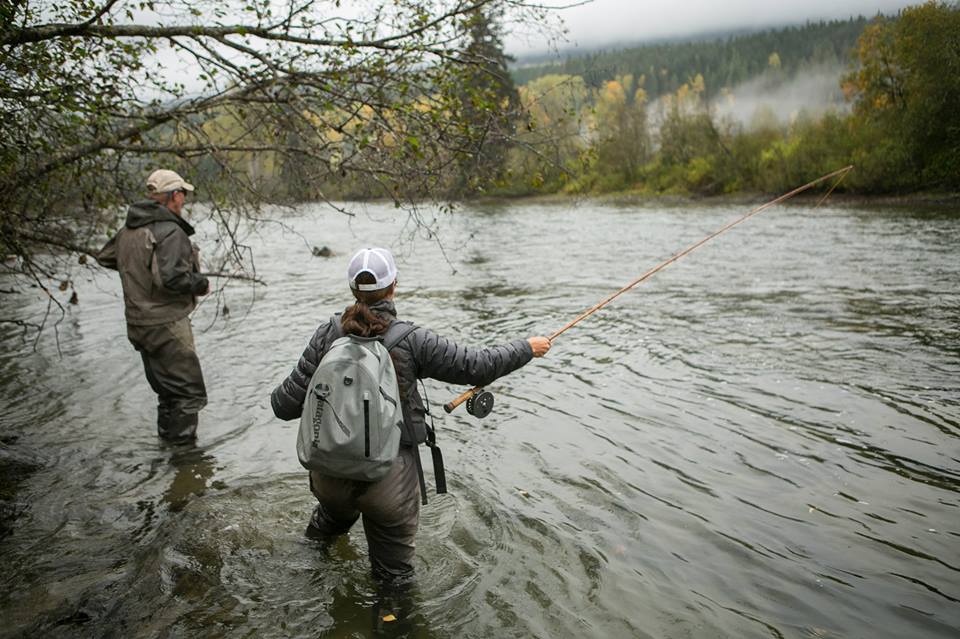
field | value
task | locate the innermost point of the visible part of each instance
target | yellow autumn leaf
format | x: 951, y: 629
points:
x: 389, y: 618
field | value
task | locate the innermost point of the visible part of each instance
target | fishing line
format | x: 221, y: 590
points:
x: 480, y: 402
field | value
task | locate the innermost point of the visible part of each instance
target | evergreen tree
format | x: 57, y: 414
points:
x: 488, y: 103
x: 723, y: 62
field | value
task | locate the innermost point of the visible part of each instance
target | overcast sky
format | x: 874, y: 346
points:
x: 607, y: 22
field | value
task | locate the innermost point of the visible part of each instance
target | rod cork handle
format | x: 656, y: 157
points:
x: 451, y: 406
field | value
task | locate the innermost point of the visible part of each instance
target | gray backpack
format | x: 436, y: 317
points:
x: 352, y: 418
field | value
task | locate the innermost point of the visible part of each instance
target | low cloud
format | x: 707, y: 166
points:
x: 770, y: 99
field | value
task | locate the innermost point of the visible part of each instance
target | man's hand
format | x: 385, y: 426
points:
x: 540, y: 345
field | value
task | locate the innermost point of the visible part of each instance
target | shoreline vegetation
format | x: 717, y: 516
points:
x: 640, y: 198
x: 945, y: 198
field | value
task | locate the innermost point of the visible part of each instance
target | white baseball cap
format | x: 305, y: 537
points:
x: 376, y: 261
x: 165, y: 181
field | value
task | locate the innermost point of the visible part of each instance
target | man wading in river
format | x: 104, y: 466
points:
x: 159, y: 271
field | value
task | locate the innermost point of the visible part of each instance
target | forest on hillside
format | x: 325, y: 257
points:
x: 764, y: 112
x: 723, y: 62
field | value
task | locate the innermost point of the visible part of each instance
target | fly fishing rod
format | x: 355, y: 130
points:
x: 480, y: 402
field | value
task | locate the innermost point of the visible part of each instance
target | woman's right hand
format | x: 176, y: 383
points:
x: 540, y: 345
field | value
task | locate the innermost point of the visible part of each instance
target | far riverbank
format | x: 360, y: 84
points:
x: 638, y: 198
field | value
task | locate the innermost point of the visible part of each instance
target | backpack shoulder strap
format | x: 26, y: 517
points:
x: 333, y: 333
x: 397, y: 332
x: 336, y: 327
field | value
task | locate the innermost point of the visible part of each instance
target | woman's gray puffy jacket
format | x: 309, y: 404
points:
x: 421, y: 354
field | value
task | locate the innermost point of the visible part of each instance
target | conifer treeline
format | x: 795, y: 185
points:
x: 723, y: 62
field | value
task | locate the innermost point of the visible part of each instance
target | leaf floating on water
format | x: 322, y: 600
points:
x: 389, y: 618
x: 523, y: 493
x: 64, y: 284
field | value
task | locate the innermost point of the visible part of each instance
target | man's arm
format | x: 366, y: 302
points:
x: 107, y: 256
x: 174, y: 255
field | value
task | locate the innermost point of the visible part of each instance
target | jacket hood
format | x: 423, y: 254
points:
x: 148, y: 211
x: 384, y: 307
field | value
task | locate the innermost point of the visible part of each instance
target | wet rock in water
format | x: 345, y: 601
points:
x: 322, y: 252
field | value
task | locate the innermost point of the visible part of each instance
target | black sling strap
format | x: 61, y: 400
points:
x: 431, y: 441
x: 397, y: 332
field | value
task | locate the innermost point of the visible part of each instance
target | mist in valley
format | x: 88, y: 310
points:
x: 772, y: 100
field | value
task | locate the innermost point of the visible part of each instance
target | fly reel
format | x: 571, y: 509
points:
x: 480, y: 404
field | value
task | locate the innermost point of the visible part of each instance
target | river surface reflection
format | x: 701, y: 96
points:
x: 763, y: 440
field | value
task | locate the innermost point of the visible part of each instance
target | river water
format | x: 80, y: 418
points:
x: 763, y: 440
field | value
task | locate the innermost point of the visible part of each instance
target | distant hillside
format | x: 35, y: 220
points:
x: 723, y: 62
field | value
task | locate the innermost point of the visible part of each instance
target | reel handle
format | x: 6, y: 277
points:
x: 451, y: 406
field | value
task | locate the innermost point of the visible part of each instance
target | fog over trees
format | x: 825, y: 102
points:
x: 754, y: 113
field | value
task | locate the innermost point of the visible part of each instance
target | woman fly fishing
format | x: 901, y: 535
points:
x: 389, y: 506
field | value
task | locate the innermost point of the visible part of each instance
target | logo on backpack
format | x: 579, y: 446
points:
x: 352, y: 418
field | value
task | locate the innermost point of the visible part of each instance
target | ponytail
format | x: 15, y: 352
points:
x: 358, y: 319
